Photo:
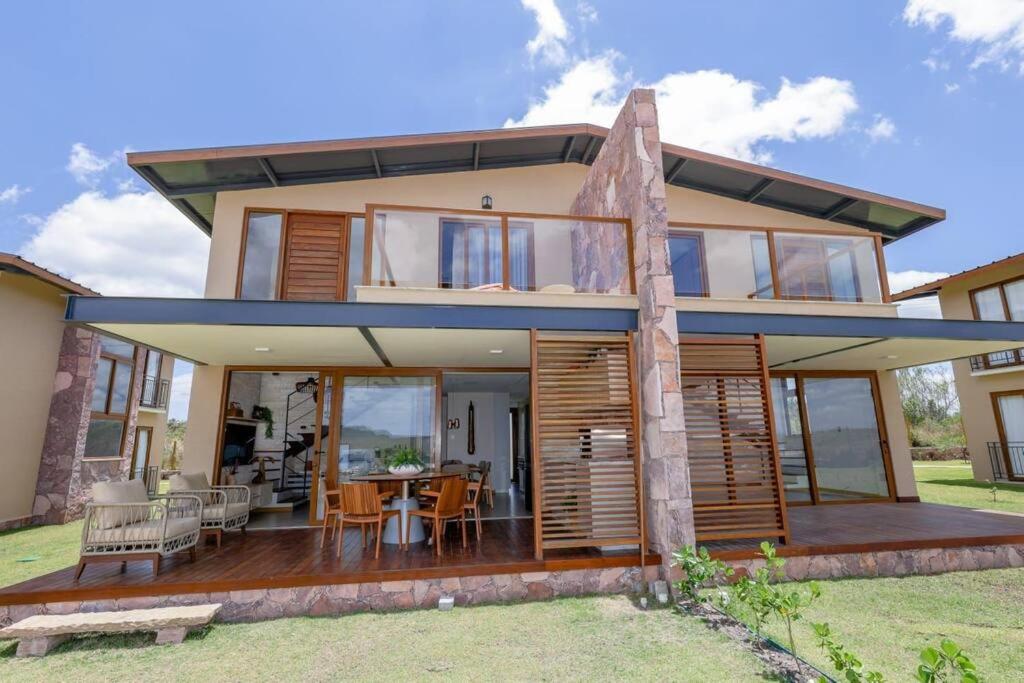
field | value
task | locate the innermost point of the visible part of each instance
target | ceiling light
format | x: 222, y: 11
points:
x: 891, y: 356
x: 497, y: 352
x: 262, y: 349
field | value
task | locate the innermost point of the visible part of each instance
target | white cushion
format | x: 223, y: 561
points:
x: 196, y: 481
x: 145, y: 531
x: 211, y: 512
x: 115, y: 492
x: 558, y: 289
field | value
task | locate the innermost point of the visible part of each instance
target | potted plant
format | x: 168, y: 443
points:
x: 405, y: 460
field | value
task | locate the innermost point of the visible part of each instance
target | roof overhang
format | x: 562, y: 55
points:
x: 934, y: 286
x: 191, y: 178
x: 12, y: 263
x: 816, y: 342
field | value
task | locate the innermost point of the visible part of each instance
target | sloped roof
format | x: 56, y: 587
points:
x: 191, y: 178
x: 936, y: 285
x: 12, y: 263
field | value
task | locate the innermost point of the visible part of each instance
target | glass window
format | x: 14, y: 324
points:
x: 470, y: 254
x: 848, y: 459
x: 762, y: 267
x: 101, y: 389
x: 1015, y: 299
x: 153, y: 360
x: 103, y: 440
x: 382, y: 414
x: 686, y: 253
x: 989, y: 304
x: 262, y: 248
x: 356, y: 242
x: 827, y: 268
x: 521, y: 265
x: 120, y: 388
x: 142, y: 437
x: 116, y: 347
x: 789, y: 434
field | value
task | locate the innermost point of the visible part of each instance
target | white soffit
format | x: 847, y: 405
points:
x: 454, y: 348
x: 834, y: 353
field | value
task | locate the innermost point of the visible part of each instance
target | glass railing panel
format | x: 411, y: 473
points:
x: 568, y: 255
x: 827, y: 267
x: 721, y: 264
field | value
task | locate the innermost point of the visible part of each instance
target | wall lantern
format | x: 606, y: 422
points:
x: 487, y: 202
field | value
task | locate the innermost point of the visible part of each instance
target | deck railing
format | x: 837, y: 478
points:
x: 1007, y: 459
x: 457, y: 249
x: 745, y: 263
x: 155, y: 392
x: 997, y: 360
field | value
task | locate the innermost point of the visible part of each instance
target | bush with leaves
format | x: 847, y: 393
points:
x: 699, y: 569
x: 946, y: 663
x: 844, y: 661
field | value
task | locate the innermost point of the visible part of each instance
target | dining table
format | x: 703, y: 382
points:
x: 395, y: 528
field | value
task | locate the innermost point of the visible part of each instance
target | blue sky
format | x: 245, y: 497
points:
x: 917, y: 99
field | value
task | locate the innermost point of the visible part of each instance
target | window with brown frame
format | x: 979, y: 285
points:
x: 471, y: 254
x: 111, y: 399
x: 688, y: 262
x: 1002, y: 301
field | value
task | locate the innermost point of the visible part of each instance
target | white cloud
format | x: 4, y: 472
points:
x: 11, y: 195
x: 710, y: 110
x: 552, y: 31
x: 586, y: 12
x: 882, y: 129
x: 925, y: 307
x: 901, y: 280
x: 933, y: 64
x: 995, y: 26
x: 130, y: 244
x: 181, y: 390
x: 952, y: 88
x: 86, y: 166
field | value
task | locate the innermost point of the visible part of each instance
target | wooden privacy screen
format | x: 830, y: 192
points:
x: 314, y: 258
x: 734, y: 472
x: 586, y: 460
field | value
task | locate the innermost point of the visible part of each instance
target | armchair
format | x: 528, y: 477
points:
x: 224, y: 507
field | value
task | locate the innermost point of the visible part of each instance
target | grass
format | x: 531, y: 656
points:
x: 887, y: 622
x: 952, y: 483
x: 597, y: 638
x: 31, y: 552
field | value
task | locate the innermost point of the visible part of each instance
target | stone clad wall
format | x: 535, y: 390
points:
x: 626, y: 180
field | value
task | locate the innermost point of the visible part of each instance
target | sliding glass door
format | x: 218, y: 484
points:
x: 830, y: 438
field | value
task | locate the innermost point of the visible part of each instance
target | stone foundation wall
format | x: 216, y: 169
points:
x: 272, y: 603
x: 896, y: 562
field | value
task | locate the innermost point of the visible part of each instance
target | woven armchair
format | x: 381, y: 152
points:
x: 224, y: 507
x: 122, y: 524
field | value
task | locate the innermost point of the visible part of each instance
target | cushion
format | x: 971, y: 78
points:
x: 147, y: 531
x: 196, y: 481
x: 216, y: 512
x: 558, y: 289
x: 114, y: 492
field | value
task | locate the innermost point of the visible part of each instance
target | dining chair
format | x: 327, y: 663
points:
x: 332, y: 509
x: 473, y: 504
x: 362, y: 504
x: 451, y: 504
x: 485, y: 481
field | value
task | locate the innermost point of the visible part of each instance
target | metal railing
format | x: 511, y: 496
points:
x: 998, y: 359
x: 155, y: 392
x: 1007, y: 459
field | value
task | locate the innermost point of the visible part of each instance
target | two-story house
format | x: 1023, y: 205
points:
x: 990, y: 386
x: 75, y: 406
x: 644, y: 345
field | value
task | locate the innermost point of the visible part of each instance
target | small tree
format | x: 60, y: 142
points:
x: 844, y: 661
x: 946, y: 663
x: 699, y: 568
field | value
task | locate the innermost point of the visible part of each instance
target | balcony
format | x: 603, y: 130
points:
x: 494, y: 251
x: 997, y: 361
x: 1007, y: 460
x: 155, y: 392
x: 740, y: 263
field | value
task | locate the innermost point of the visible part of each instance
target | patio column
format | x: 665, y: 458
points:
x: 627, y: 180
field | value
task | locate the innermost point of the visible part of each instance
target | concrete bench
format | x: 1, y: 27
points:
x: 39, y: 634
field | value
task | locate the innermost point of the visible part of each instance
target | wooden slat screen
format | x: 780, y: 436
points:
x: 314, y: 258
x: 734, y: 471
x: 586, y: 456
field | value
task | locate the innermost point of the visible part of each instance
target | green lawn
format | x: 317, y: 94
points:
x: 887, y: 622
x: 26, y: 553
x: 598, y: 638
x: 952, y: 483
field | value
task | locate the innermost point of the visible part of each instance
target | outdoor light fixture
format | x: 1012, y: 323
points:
x: 487, y: 202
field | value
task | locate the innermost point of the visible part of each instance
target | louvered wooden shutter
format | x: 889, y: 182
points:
x: 586, y: 457
x: 314, y: 258
x: 734, y: 471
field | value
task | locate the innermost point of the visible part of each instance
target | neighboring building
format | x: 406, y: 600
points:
x: 687, y: 347
x: 54, y: 446
x: 990, y: 386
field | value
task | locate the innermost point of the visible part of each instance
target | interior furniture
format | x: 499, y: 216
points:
x: 224, y: 507
x: 361, y: 504
x: 403, y: 526
x: 485, y: 481
x: 473, y: 504
x: 261, y: 494
x: 451, y: 504
x: 122, y: 524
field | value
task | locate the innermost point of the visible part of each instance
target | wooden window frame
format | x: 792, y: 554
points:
x: 135, y: 450
x: 1001, y: 429
x: 702, y: 256
x: 883, y: 433
x: 883, y: 278
x: 105, y: 414
x: 282, y: 248
x: 504, y: 217
x: 1018, y: 354
x: 486, y: 226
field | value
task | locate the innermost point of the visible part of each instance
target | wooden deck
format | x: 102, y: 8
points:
x: 284, y: 558
x: 834, y: 529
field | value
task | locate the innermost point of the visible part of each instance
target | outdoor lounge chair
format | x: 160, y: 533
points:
x: 224, y: 507
x: 123, y: 524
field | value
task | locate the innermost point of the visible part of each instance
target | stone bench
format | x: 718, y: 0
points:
x: 39, y: 634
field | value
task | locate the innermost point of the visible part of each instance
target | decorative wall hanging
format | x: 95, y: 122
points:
x: 471, y: 445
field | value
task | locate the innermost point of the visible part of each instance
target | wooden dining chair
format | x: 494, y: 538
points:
x: 451, y: 504
x: 485, y: 481
x: 332, y: 509
x: 362, y: 504
x: 473, y: 504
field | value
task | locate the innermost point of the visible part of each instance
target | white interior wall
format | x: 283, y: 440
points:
x: 490, y: 412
